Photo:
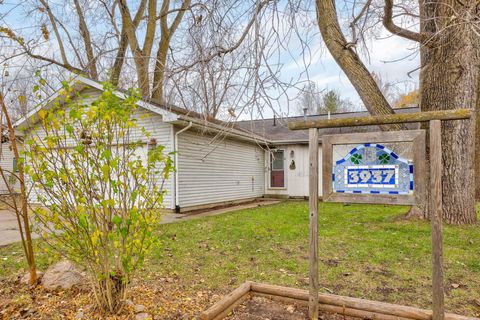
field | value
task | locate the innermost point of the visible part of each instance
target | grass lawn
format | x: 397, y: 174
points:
x: 366, y: 251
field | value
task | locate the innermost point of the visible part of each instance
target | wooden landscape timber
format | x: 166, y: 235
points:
x: 348, y: 306
x: 222, y: 308
x: 457, y: 114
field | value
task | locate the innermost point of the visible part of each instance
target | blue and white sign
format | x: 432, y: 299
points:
x: 372, y: 168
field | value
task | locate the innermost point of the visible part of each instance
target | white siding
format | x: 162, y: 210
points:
x: 153, y: 124
x: 214, y: 170
x: 296, y: 180
x: 6, y: 162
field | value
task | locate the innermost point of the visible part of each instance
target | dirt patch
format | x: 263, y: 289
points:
x: 259, y: 308
x: 164, y: 299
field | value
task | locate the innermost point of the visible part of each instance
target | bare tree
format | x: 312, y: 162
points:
x: 310, y: 99
x: 211, y: 87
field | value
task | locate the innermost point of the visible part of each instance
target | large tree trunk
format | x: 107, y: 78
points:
x: 361, y: 79
x: 448, y: 80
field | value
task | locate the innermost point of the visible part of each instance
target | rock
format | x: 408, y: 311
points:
x: 129, y: 303
x: 25, y: 279
x: 63, y: 275
x: 455, y: 285
x: 142, y: 316
x: 80, y: 315
x: 291, y: 309
x: 139, y: 308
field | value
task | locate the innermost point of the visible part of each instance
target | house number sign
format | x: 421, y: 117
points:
x: 374, y: 169
x: 368, y: 169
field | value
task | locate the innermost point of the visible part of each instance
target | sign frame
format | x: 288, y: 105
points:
x: 416, y: 137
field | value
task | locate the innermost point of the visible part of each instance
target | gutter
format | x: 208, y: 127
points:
x: 177, y: 201
x: 230, y: 131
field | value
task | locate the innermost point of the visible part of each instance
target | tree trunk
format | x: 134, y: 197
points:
x: 448, y: 80
x: 477, y: 144
x: 119, y: 60
x: 361, y: 79
x: 159, y: 72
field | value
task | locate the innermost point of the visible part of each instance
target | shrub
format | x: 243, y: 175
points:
x: 100, y: 180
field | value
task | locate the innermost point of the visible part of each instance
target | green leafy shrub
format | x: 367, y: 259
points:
x: 100, y: 179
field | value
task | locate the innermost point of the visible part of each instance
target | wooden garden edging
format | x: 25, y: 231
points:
x: 347, y: 306
x: 222, y: 308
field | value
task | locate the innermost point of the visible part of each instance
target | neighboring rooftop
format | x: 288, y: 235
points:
x: 276, y: 129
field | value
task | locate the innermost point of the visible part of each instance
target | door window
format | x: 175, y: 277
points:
x: 277, y: 172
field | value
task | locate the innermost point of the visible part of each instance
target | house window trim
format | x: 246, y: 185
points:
x: 271, y: 169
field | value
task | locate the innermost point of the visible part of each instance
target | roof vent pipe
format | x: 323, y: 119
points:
x: 274, y: 120
x: 305, y: 113
x: 328, y: 115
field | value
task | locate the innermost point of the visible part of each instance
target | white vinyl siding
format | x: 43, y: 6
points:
x: 6, y: 162
x: 296, y: 178
x: 215, y: 169
x: 152, y: 123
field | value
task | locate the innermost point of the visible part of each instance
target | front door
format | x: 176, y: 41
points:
x: 277, y: 172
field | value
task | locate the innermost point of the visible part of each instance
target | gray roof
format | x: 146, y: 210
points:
x: 276, y: 130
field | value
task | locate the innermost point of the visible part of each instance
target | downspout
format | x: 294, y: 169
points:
x: 177, y: 202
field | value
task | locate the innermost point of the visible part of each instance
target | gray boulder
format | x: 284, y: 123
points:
x: 63, y: 275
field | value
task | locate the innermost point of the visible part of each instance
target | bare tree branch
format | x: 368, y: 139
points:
x: 92, y: 65
x: 55, y: 30
x: 399, y: 31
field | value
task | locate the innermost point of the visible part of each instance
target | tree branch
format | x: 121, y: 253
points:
x: 91, y: 64
x: 399, y: 31
x: 223, y: 51
x: 361, y: 79
x: 55, y: 29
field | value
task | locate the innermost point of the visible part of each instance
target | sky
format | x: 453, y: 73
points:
x: 391, y: 57
x: 394, y: 59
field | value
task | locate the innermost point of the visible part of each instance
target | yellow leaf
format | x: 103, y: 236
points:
x: 42, y: 113
x: 22, y: 99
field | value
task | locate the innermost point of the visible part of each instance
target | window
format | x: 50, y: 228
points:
x: 277, y: 169
x: 15, y: 165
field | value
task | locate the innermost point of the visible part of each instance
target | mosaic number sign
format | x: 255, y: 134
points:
x: 370, y: 172
x: 374, y: 169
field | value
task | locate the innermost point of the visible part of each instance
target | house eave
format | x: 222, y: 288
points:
x: 79, y: 83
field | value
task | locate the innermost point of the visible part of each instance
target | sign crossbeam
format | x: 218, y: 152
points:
x: 397, y: 118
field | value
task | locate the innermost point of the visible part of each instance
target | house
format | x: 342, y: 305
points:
x: 8, y: 163
x: 218, y: 162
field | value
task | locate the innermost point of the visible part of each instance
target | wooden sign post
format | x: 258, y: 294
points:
x: 313, y: 236
x: 436, y: 219
x: 375, y: 177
